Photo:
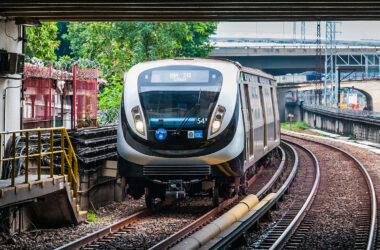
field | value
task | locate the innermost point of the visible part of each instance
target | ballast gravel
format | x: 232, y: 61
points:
x: 52, y: 238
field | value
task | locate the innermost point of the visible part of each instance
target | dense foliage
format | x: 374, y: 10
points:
x: 120, y: 45
x: 42, y: 41
x: 117, y: 46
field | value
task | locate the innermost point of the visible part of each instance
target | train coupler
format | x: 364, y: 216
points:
x: 176, y: 189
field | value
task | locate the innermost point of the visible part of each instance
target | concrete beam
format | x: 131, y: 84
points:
x: 155, y: 10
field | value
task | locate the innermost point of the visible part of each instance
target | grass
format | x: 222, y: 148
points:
x: 295, y: 126
x: 300, y: 127
x: 91, y: 216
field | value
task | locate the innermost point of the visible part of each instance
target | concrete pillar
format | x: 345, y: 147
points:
x: 281, y: 104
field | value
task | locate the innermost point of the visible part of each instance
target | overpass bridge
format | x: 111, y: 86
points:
x: 282, y: 56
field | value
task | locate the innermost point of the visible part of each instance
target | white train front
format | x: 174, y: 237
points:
x: 193, y: 126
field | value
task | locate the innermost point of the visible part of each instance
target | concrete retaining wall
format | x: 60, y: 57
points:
x: 358, y: 128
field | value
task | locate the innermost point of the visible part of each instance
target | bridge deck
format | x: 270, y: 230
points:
x: 19, y: 180
x: 25, y: 192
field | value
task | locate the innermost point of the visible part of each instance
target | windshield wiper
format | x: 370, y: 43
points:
x: 189, y: 114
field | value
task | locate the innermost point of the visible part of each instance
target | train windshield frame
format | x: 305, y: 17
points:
x: 178, y: 92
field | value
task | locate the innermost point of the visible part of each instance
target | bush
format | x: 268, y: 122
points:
x: 91, y: 216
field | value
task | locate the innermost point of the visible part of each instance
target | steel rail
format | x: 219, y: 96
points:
x: 306, y: 206
x: 104, y: 232
x: 372, y: 231
x: 90, y: 238
x: 274, y: 178
x: 226, y: 241
x: 205, y: 218
x: 193, y: 226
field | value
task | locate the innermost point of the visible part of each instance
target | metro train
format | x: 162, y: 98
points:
x: 194, y: 126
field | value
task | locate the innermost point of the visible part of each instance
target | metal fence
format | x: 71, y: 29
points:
x: 33, y: 150
x: 351, y: 112
x: 59, y: 95
x: 344, y: 75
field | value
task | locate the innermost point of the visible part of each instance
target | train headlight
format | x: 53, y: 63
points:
x: 216, y: 125
x: 218, y: 118
x: 139, y: 123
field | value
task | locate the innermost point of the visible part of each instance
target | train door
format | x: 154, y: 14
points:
x: 248, y: 97
x: 245, y: 111
x: 275, y: 114
x: 269, y: 115
x: 264, y: 116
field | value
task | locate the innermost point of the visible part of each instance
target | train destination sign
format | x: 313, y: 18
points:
x: 161, y: 76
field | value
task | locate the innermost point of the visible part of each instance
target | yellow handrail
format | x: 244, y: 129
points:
x: 69, y: 158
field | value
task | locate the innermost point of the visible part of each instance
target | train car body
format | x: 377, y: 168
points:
x: 196, y: 125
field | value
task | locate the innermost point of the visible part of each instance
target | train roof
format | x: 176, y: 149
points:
x: 245, y: 69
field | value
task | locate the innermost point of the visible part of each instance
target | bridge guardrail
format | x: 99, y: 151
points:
x: 360, y: 113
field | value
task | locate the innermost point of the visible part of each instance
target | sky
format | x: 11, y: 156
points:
x: 354, y: 31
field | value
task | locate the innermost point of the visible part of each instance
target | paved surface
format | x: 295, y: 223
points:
x: 21, y: 180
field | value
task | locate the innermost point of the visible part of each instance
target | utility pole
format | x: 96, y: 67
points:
x: 318, y: 63
x: 329, y: 62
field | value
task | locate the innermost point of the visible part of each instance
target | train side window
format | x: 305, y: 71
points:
x: 257, y: 102
x: 268, y: 102
x: 262, y: 104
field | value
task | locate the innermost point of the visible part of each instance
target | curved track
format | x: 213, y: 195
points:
x: 301, y: 204
x: 246, y: 224
x: 109, y: 233
x: 366, y: 221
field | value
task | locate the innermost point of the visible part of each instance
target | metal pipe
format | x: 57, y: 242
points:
x: 13, y: 172
x: 62, y: 154
x: 39, y: 156
x: 27, y: 157
x: 51, y: 154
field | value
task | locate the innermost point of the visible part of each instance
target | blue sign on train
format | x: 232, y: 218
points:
x: 161, y: 134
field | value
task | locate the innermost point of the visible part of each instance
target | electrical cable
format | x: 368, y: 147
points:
x: 5, y: 32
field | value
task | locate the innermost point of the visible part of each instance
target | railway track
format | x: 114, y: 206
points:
x: 236, y: 234
x: 365, y: 217
x: 293, y: 227
x: 109, y: 233
x: 296, y: 224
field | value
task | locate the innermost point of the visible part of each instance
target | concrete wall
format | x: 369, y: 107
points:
x: 10, y: 90
x: 361, y: 130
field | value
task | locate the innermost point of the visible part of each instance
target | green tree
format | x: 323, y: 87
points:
x: 196, y: 43
x: 64, y: 43
x: 42, y: 41
x: 101, y: 42
x: 117, y: 46
x: 120, y: 45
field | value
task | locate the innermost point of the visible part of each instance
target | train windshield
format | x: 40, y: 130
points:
x: 179, y: 91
